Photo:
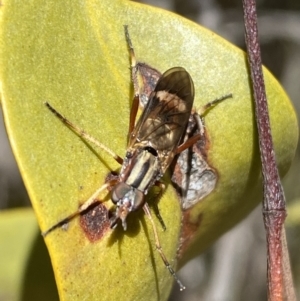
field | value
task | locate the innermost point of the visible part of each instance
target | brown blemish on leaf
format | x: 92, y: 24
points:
x: 188, y: 230
x: 95, y: 221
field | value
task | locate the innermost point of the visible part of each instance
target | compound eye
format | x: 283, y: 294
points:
x: 138, y: 200
x: 119, y: 192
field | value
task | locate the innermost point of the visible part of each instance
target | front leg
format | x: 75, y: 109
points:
x: 93, y: 199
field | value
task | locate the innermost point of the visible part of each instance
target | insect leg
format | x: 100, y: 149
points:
x: 134, y: 68
x: 162, y: 188
x: 191, y: 141
x: 131, y: 50
x: 159, y: 248
x: 83, y: 134
x: 198, y: 116
x: 144, y: 79
x: 134, y: 74
x: 210, y: 104
x: 82, y: 208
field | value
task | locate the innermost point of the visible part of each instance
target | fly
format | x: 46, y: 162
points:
x: 154, y: 140
x: 192, y: 176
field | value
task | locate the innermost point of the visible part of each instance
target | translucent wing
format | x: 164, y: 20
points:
x: 165, y: 116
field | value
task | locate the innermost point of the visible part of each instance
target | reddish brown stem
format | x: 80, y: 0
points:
x: 274, y: 201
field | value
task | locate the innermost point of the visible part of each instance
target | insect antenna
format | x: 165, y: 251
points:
x: 160, y: 250
x: 83, y: 134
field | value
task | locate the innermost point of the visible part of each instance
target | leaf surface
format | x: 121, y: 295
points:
x: 74, y: 55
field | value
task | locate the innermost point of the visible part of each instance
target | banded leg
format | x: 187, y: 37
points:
x: 202, y: 111
x: 212, y: 103
x: 198, y: 117
x: 80, y: 132
x: 160, y: 250
x: 82, y: 208
x: 144, y: 79
x: 134, y: 71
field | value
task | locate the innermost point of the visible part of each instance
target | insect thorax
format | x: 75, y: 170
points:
x: 140, y: 170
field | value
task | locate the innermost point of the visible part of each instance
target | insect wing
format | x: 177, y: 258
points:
x: 165, y: 116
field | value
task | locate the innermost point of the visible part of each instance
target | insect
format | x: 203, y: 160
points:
x: 154, y: 140
x: 191, y: 174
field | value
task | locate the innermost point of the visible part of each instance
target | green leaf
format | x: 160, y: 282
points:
x: 74, y: 55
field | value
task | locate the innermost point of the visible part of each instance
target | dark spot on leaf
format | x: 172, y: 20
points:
x: 95, y: 221
x: 188, y: 231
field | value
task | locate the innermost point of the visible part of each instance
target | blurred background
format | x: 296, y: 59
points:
x: 234, y: 268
